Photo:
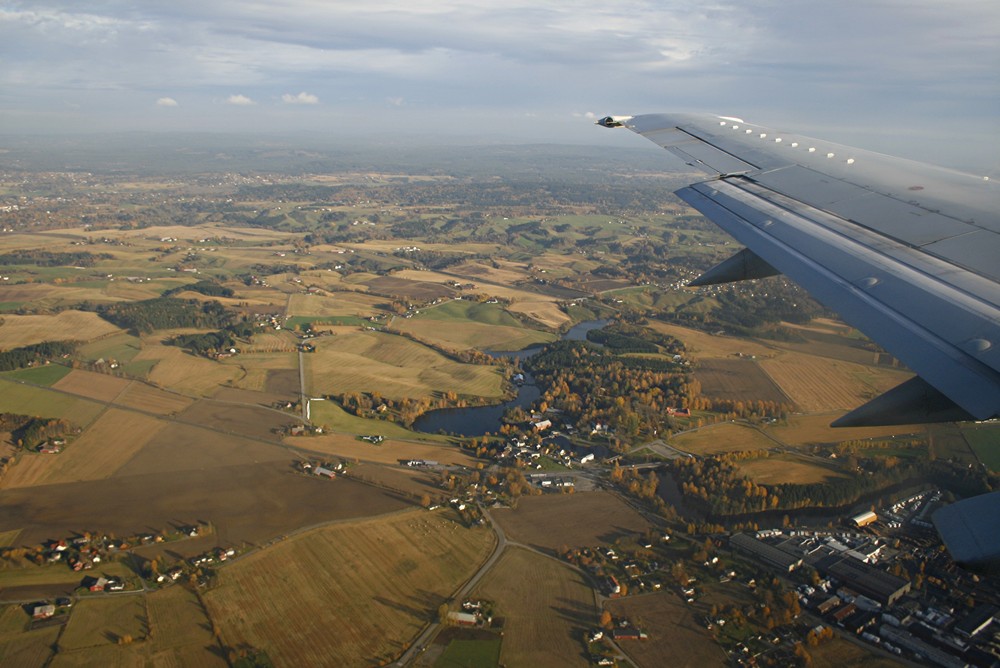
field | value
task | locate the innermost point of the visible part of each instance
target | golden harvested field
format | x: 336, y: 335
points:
x: 363, y: 361
x: 725, y: 437
x: 115, y: 656
x: 544, y: 312
x: 462, y: 335
x: 104, y: 447
x: 840, y: 653
x: 347, y: 594
x: 506, y: 273
x: 179, y: 628
x: 676, y: 636
x: 388, y: 452
x: 803, y: 429
x: 783, y: 468
x: 337, y: 304
x: 145, y: 397
x: 254, y: 421
x: 413, y: 481
x: 269, y: 350
x: 22, y: 330
x: 702, y: 346
x: 547, y: 607
x: 183, y: 372
x: 823, y: 384
x: 30, y: 648
x: 737, y: 379
x: 103, y: 620
x: 98, y: 386
x: 551, y: 521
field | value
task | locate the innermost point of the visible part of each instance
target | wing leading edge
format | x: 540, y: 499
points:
x: 908, y: 253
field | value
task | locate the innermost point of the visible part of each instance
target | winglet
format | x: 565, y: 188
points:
x: 740, y: 267
x: 913, y: 402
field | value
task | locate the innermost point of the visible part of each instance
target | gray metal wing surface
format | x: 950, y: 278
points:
x: 906, y: 252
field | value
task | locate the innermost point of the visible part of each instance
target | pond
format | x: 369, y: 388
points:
x: 480, y: 420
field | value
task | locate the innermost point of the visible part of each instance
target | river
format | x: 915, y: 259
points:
x: 480, y: 420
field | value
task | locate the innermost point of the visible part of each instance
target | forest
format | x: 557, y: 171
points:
x: 143, y: 317
x: 18, y: 358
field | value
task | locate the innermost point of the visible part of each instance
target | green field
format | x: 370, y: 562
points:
x: 464, y: 653
x: 985, y: 442
x: 28, y: 400
x: 460, y: 310
x: 300, y: 321
x: 122, y: 347
x: 47, y: 375
x: 336, y: 419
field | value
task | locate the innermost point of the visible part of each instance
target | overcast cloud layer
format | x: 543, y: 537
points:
x: 908, y: 76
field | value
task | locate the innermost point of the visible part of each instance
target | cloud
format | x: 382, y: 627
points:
x: 395, y: 101
x: 301, y: 98
x: 240, y: 100
x: 167, y: 102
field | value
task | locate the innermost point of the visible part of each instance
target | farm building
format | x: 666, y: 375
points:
x: 463, y: 618
x: 324, y: 472
x: 864, y: 519
x: 43, y: 611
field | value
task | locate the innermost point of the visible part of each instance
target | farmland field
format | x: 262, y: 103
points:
x: 103, y: 620
x: 183, y: 372
x: 547, y: 607
x: 704, y: 346
x: 330, y: 415
x: 739, y: 380
x: 30, y: 648
x: 102, y: 449
x: 389, y: 451
x: 822, y: 384
x: 180, y: 631
x: 985, y: 442
x: 463, y: 334
x: 802, y: 429
x: 401, y: 288
x: 98, y: 386
x: 253, y: 421
x: 27, y: 400
x: 362, y: 361
x: 551, y: 521
x: 22, y: 330
x: 46, y: 375
x: 145, y: 397
x: 778, y: 469
x: 245, y: 503
x: 726, y: 437
x: 387, y: 576
x: 841, y: 653
x: 676, y: 635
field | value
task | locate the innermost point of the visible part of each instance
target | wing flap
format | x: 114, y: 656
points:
x: 932, y: 326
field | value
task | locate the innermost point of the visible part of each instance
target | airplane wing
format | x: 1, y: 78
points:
x: 907, y: 253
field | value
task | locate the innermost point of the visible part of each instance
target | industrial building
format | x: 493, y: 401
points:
x: 876, y: 584
x: 765, y: 553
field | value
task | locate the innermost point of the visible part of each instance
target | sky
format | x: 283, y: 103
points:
x: 920, y: 78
